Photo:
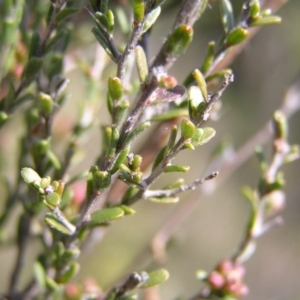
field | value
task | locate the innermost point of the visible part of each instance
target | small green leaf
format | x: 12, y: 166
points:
x: 136, y: 163
x: 134, y: 134
x: 122, y: 156
x: 106, y: 215
x: 55, y: 65
x: 201, y: 83
x: 227, y: 15
x: 172, y: 138
x: 110, y: 20
x: 34, y: 44
x: 179, y: 40
x: 53, y: 159
x: 138, y: 10
x: 187, y: 129
x: 51, y: 284
x: 115, y: 88
x: 103, y: 42
x: 54, y: 40
x: 101, y: 180
x: 52, y: 200
x: 195, y: 99
x: 202, y: 136
x: 29, y: 175
x: 236, y: 36
x: 141, y: 62
x: 120, y: 110
x: 159, y: 158
x: 195, y: 96
x: 59, y: 223
x: 209, y: 58
x: 127, y: 210
x: 268, y: 20
x: 103, y: 5
x: 65, y: 13
x: 254, y: 6
x: 71, y: 271
x: 164, y: 200
x: 260, y: 155
x: 109, y: 102
x: 39, y: 274
x: 176, y: 184
x: 45, y: 103
x: 131, y: 192
x: 68, y: 256
x: 32, y: 68
x: 170, y: 114
x: 122, y: 18
x: 3, y: 117
x: 219, y: 74
x: 102, y: 20
x: 176, y: 168
x: 280, y: 125
x: 113, y: 141
x: 151, y: 18
x: 293, y: 154
x: 156, y: 278
x: 250, y: 195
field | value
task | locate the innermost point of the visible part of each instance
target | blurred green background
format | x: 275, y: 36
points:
x: 263, y: 72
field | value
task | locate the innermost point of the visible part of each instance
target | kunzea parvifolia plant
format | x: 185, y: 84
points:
x: 37, y: 46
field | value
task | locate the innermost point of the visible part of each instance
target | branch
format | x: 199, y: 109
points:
x: 184, y: 188
x: 291, y: 105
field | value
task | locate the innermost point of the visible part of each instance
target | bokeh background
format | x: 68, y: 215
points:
x: 263, y: 72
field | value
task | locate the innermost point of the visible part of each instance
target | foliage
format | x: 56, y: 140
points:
x: 36, y: 42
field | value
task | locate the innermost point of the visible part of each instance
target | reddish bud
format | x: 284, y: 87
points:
x: 216, y: 280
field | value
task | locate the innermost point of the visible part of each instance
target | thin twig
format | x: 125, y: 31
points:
x: 136, y: 34
x: 184, y: 188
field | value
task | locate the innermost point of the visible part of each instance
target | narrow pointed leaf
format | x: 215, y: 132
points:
x: 227, y: 15
x: 32, y: 68
x: 176, y: 168
x: 209, y: 58
x: 268, y: 20
x: 127, y: 210
x: 120, y: 160
x: 134, y: 134
x: 72, y: 270
x: 65, y: 14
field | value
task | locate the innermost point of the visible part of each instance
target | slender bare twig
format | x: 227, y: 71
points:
x: 183, y: 188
